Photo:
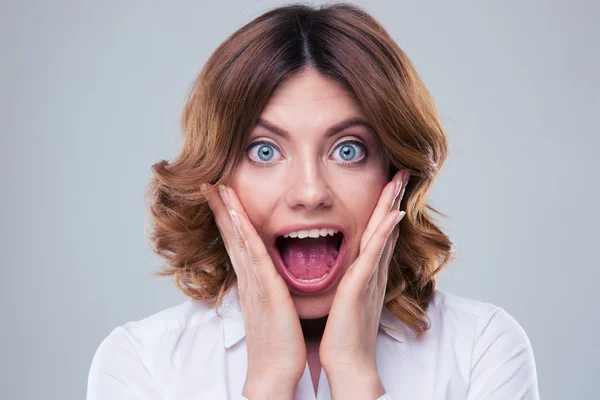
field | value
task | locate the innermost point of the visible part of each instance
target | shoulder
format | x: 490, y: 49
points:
x: 155, y: 337
x: 493, y: 342
x: 464, y: 307
x: 135, y: 358
x: 188, y: 314
x: 463, y: 314
x: 185, y: 315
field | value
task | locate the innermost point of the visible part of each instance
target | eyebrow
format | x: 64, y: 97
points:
x: 340, y: 126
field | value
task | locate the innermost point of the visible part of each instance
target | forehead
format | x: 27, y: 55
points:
x: 310, y: 100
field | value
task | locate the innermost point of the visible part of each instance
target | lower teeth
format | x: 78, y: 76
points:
x: 315, y: 279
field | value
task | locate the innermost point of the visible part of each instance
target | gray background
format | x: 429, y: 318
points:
x: 90, y: 98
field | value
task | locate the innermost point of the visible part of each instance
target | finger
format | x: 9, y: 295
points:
x: 384, y: 263
x: 381, y: 209
x: 393, y: 238
x: 398, y: 200
x: 259, y: 260
x: 225, y: 226
x: 219, y: 209
x: 378, y: 277
x: 240, y: 245
x: 367, y: 262
x: 388, y: 251
x: 384, y: 205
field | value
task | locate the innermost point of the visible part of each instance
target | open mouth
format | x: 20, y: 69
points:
x: 310, y: 264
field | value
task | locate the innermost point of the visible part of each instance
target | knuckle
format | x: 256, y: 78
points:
x: 259, y: 255
x: 254, y: 259
x: 263, y: 299
x: 240, y: 243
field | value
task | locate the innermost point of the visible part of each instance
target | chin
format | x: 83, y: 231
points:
x: 315, y: 305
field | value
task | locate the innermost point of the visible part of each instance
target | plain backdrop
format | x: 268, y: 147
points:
x: 90, y: 97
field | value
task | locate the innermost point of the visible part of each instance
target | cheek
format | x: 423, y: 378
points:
x: 361, y: 195
x: 255, y: 196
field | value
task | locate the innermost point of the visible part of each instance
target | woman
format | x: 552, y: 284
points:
x: 312, y: 270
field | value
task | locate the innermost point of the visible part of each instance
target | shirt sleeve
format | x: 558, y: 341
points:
x: 118, y: 373
x: 502, y: 365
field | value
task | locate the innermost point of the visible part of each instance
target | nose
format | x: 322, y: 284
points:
x: 308, y: 189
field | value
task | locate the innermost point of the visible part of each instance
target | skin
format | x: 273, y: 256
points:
x: 306, y: 182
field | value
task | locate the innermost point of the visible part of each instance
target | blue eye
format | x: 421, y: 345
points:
x: 348, y: 151
x: 262, y: 152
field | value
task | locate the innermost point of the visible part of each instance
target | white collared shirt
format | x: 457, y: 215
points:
x: 473, y: 351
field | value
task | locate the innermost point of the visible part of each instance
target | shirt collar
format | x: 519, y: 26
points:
x: 233, y: 321
x: 391, y: 325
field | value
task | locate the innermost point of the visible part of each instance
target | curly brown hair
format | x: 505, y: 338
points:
x: 346, y: 44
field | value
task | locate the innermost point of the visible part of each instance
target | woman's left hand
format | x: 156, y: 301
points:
x: 347, y: 349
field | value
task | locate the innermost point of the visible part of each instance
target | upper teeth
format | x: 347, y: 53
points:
x: 313, y: 233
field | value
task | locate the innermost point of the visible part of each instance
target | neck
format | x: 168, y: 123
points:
x: 313, y: 328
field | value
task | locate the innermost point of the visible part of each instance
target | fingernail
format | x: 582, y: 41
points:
x: 203, y: 187
x: 235, y: 217
x: 224, y: 195
x: 398, y: 186
x: 399, y: 217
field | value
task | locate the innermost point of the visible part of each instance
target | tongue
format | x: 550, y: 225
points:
x: 309, y: 258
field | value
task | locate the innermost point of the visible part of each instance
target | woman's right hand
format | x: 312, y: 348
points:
x: 274, y: 338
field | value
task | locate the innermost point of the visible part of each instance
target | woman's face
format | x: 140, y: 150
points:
x: 299, y: 176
